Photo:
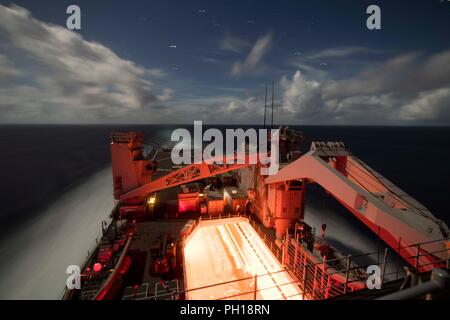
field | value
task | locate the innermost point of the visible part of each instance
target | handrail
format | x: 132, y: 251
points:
x: 440, y: 281
x: 112, y: 276
x: 328, y: 272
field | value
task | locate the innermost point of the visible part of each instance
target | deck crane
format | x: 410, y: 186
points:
x: 393, y: 215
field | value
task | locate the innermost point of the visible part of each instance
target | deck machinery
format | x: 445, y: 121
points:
x: 277, y: 201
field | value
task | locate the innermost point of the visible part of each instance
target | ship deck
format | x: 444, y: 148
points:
x: 227, y: 259
x: 143, y: 242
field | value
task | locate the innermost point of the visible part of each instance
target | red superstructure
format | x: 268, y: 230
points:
x: 387, y: 210
x: 277, y: 202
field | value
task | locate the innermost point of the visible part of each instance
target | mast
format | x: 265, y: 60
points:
x: 265, y: 107
x: 271, y: 123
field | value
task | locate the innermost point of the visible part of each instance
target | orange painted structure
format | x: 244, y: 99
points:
x: 227, y: 259
x: 388, y: 211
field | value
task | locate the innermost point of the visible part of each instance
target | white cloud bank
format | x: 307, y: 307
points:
x: 65, y: 78
x: 49, y: 74
x: 408, y: 89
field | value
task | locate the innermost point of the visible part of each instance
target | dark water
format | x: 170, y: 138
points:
x: 55, y: 190
x: 40, y: 163
x: 416, y: 159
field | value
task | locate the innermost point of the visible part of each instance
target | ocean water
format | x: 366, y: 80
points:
x: 56, y: 188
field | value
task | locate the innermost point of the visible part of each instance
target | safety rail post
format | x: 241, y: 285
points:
x: 399, y: 249
x: 256, y: 286
x: 296, y: 252
x: 383, y: 270
x: 347, y: 271
x: 327, y: 290
x: 286, y: 249
x: 283, y: 254
x: 323, y: 274
x: 417, y: 257
x: 315, y: 281
x: 378, y: 248
x: 305, y: 275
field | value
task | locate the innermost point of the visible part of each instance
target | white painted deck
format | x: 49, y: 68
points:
x: 224, y: 250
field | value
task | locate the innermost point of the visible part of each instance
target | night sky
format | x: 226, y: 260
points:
x: 180, y: 61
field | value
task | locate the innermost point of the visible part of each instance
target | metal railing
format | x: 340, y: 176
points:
x: 317, y: 279
x: 439, y: 282
x: 90, y: 253
x: 342, y: 275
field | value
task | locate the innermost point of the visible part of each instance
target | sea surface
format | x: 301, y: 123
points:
x: 56, y: 188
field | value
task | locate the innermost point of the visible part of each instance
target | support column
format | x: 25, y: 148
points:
x: 289, y: 205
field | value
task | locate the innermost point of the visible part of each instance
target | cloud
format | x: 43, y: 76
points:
x: 429, y: 105
x: 233, y: 44
x: 300, y: 96
x: 255, y: 57
x: 166, y: 95
x: 7, y: 68
x: 311, y: 71
x: 405, y: 74
x: 49, y: 74
x: 222, y: 109
x: 409, y: 88
x: 68, y: 79
x: 341, y: 52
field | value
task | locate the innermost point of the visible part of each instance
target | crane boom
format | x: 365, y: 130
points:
x: 189, y: 173
x: 392, y: 214
x: 387, y: 210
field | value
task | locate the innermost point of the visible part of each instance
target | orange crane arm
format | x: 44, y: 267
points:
x: 395, y: 216
x: 186, y: 174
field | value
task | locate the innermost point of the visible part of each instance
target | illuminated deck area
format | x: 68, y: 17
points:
x: 222, y: 258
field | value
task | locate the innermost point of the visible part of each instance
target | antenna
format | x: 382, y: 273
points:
x: 271, y: 124
x: 265, y: 107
